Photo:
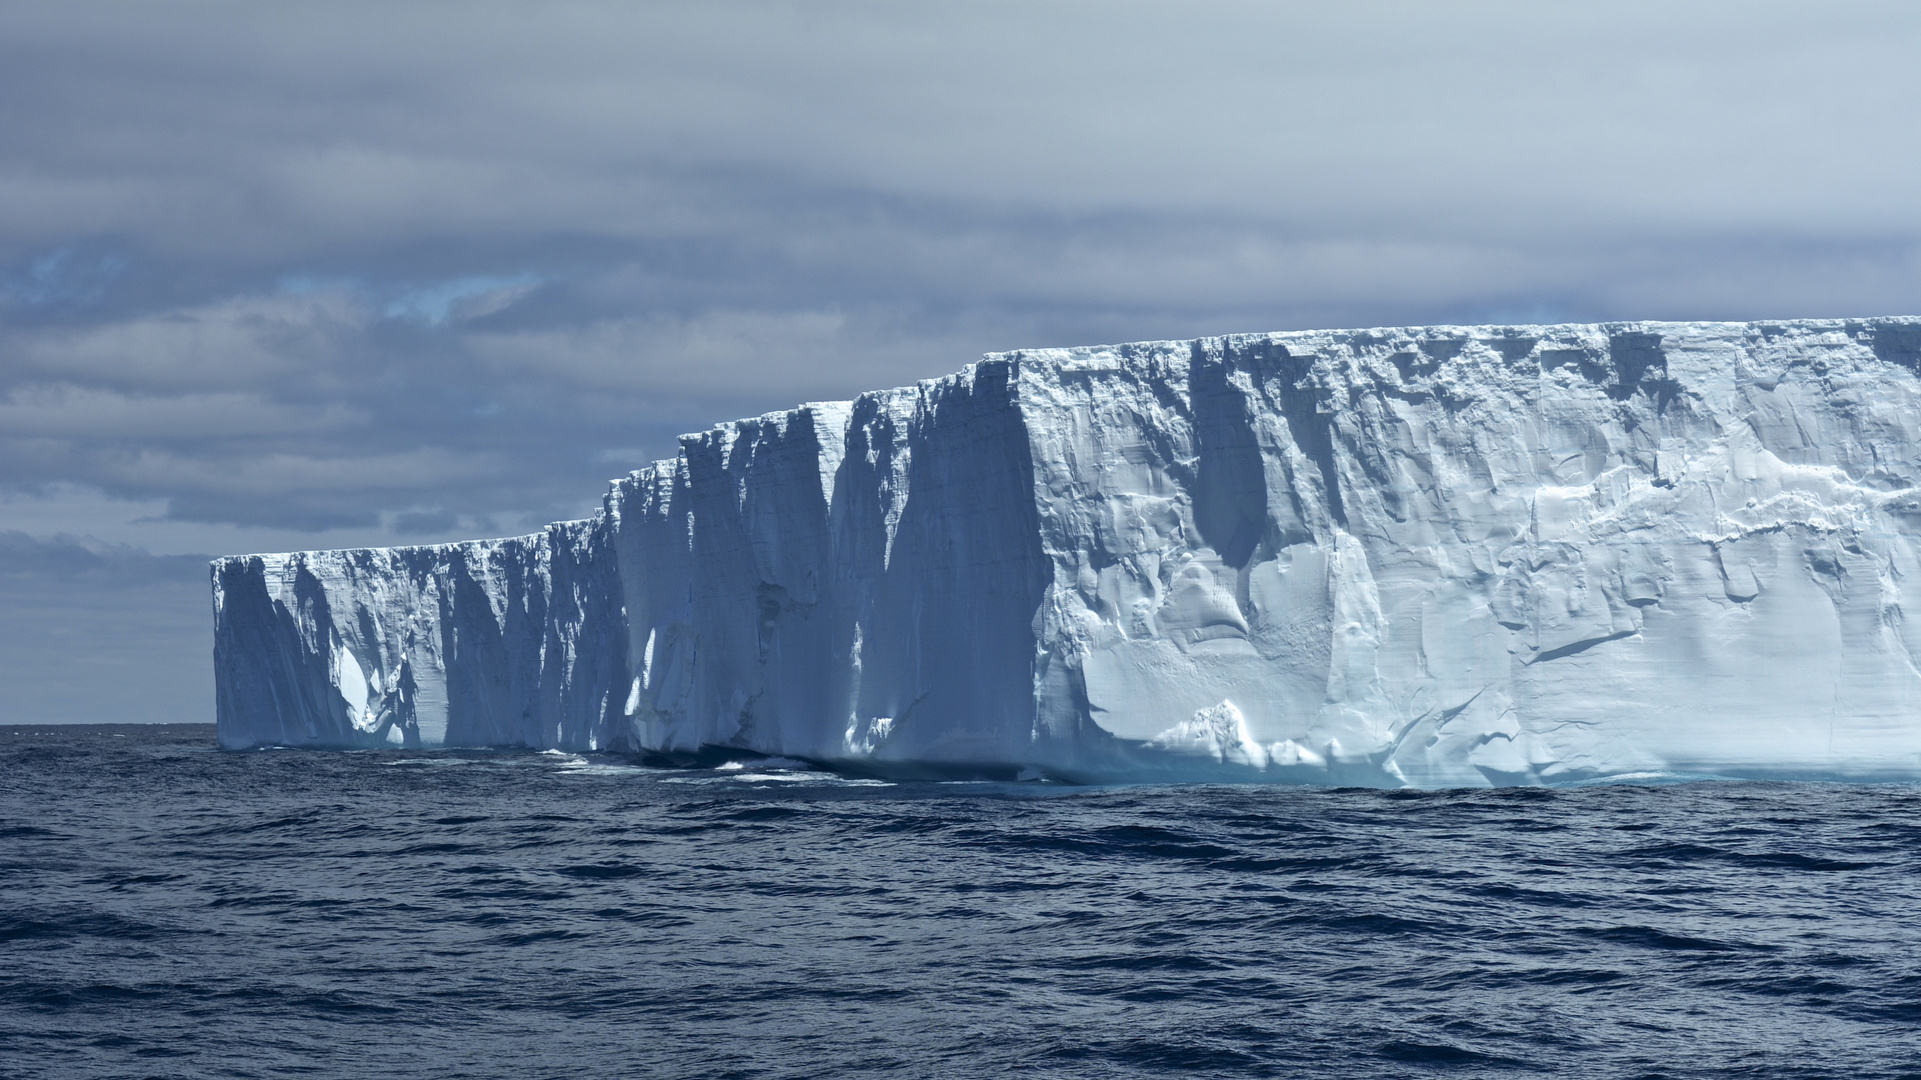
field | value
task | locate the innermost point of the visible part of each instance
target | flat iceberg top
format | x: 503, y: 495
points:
x: 1400, y: 556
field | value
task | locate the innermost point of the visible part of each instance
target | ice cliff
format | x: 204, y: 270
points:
x: 1429, y: 557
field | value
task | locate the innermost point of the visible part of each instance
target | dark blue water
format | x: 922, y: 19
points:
x: 170, y: 910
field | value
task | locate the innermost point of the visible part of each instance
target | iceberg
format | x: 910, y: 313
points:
x: 1426, y: 557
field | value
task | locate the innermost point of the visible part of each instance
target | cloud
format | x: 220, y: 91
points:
x: 102, y: 633
x: 66, y: 410
x: 267, y: 127
x: 227, y: 343
x: 83, y: 559
x: 672, y: 354
x: 465, y: 298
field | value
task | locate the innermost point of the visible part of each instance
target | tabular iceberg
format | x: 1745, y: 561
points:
x: 1428, y: 557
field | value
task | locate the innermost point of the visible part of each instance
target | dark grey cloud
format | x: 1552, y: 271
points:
x: 95, y: 564
x: 301, y: 275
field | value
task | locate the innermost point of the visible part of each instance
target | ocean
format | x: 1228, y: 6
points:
x: 171, y: 910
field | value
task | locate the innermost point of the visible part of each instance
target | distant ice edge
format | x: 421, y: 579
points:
x: 1402, y: 557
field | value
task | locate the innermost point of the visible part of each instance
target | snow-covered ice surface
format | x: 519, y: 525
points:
x: 1428, y: 557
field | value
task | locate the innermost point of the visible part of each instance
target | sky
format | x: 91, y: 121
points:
x: 284, y: 276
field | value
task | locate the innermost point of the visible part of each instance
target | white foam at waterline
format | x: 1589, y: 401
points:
x: 765, y: 763
x: 822, y: 779
x: 1649, y: 779
x: 590, y: 768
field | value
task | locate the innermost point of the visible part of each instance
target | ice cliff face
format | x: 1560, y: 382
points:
x: 494, y: 643
x: 1435, y: 557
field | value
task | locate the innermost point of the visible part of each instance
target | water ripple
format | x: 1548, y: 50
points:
x: 168, y: 911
